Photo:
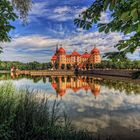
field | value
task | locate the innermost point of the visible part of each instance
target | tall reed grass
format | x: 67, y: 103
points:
x: 25, y: 116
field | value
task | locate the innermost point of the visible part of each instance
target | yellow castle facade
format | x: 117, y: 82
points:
x: 76, y: 59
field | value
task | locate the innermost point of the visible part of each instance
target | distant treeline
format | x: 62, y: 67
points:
x: 6, y: 65
x: 127, y: 64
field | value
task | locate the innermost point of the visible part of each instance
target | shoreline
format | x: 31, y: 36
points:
x: 110, y: 72
x: 104, y: 72
x: 96, y: 72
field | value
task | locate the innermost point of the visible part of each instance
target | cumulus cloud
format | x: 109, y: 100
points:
x: 60, y: 13
x: 61, y: 10
x: 43, y: 45
x: 64, y: 13
x: 105, y: 17
x: 40, y: 46
x: 38, y: 8
x: 57, y: 13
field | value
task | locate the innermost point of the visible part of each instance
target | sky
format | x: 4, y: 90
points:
x: 51, y: 22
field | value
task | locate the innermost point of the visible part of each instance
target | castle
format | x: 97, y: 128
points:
x: 75, y: 59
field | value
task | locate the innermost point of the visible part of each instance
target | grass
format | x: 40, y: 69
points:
x: 25, y: 116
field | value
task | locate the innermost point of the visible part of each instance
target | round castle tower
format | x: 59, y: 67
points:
x: 95, y: 56
x: 61, y: 54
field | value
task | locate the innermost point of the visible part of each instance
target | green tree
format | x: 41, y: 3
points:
x: 50, y: 65
x: 7, y: 14
x: 35, y: 65
x: 125, y: 15
x: 127, y: 64
x: 44, y: 66
x: 23, y: 7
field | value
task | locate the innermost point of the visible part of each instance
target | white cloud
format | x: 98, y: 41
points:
x: 104, y: 17
x: 38, y: 8
x: 41, y: 48
x: 36, y: 44
x: 33, y: 41
x: 135, y: 55
x: 58, y: 13
x: 65, y: 13
x: 61, y: 10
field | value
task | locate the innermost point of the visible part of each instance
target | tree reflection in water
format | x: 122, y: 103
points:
x: 76, y: 83
x: 61, y: 84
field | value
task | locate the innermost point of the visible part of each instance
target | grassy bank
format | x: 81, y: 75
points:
x: 25, y: 116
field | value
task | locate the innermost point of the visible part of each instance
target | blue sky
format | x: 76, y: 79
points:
x: 51, y: 22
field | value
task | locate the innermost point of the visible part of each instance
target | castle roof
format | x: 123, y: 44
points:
x: 68, y: 55
x: 54, y: 57
x: 61, y: 50
x: 85, y: 55
x: 75, y: 53
x: 95, y: 51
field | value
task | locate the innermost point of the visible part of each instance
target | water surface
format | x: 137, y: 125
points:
x: 96, y: 104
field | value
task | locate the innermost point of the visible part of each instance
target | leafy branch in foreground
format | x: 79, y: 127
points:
x: 116, y: 56
x: 125, y: 15
x: 23, y: 7
x: 8, y: 14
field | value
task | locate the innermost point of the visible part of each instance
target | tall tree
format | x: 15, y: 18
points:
x: 8, y: 14
x: 23, y: 7
x: 125, y: 18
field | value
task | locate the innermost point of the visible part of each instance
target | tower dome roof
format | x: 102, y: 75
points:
x: 61, y: 51
x: 54, y: 57
x: 95, y: 51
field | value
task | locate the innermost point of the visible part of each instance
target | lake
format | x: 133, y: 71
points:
x: 100, y: 105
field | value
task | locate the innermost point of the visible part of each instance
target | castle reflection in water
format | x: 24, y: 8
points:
x: 62, y: 84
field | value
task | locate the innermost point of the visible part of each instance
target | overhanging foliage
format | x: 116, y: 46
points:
x: 125, y: 16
